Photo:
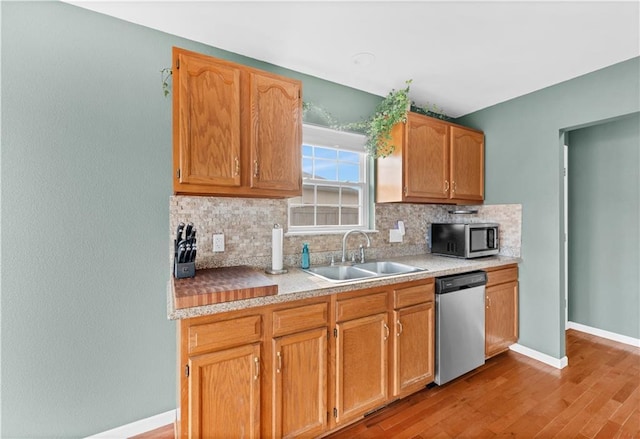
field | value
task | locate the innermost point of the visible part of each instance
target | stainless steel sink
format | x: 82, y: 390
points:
x: 343, y: 273
x: 338, y: 273
x: 383, y: 268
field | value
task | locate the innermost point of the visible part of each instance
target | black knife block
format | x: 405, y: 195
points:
x: 184, y: 269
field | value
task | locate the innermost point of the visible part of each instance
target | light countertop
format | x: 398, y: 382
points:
x: 298, y: 284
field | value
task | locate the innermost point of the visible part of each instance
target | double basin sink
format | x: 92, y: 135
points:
x: 367, y: 270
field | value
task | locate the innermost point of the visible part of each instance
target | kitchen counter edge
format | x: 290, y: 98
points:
x: 298, y: 284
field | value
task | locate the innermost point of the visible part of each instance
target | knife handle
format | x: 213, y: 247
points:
x: 179, y: 232
x: 194, y: 249
x: 180, y: 255
x: 187, y: 231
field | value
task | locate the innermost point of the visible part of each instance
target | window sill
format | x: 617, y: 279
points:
x: 325, y: 232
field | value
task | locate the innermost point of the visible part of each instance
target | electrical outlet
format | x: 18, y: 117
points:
x: 218, y: 242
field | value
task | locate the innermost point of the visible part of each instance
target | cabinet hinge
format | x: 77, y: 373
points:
x: 335, y: 332
x: 335, y: 412
x: 186, y: 371
x: 299, y: 94
x: 177, y: 64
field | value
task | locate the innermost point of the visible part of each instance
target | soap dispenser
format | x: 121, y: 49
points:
x: 305, y: 256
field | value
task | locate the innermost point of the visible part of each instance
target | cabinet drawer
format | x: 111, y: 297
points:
x: 224, y: 334
x: 503, y: 275
x: 288, y: 321
x: 348, y: 309
x: 413, y: 295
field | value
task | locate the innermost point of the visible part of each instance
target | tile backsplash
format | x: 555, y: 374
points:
x: 247, y: 223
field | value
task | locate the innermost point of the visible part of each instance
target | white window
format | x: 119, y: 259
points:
x: 335, y: 183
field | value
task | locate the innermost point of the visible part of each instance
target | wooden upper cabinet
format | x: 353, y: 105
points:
x: 237, y: 131
x: 467, y: 164
x: 275, y: 133
x: 206, y: 105
x: 426, y: 159
x: 434, y: 162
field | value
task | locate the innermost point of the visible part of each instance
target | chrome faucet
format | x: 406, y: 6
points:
x: 344, y: 244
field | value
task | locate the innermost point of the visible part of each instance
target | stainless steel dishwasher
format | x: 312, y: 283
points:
x: 459, y: 324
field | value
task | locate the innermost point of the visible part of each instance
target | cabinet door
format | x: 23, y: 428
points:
x: 426, y: 158
x: 300, y: 384
x: 224, y: 392
x: 467, y: 164
x: 361, y: 366
x: 413, y: 353
x: 501, y: 317
x: 275, y: 133
x: 206, y: 111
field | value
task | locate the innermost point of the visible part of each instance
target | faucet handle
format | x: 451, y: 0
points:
x: 333, y: 261
x: 361, y: 249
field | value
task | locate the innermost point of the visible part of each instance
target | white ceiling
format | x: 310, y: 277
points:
x: 462, y: 56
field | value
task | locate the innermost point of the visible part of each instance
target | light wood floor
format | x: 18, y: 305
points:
x: 596, y: 396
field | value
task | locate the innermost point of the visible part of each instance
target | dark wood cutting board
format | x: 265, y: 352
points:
x: 215, y: 285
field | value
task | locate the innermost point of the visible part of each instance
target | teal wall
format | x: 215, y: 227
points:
x: 523, y: 139
x: 604, y: 226
x: 85, y: 184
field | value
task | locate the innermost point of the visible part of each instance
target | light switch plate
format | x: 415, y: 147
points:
x: 218, y: 242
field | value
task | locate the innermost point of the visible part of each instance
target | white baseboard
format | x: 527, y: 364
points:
x: 604, y: 334
x: 138, y: 427
x: 560, y: 363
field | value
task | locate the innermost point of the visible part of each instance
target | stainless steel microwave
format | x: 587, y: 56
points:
x: 464, y: 240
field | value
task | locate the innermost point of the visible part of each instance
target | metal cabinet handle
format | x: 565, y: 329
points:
x: 386, y: 328
x: 256, y: 168
x: 406, y: 191
x: 279, y: 367
x: 401, y: 328
x: 454, y: 187
x: 237, y: 169
x: 256, y: 361
x: 489, y: 300
x: 446, y: 186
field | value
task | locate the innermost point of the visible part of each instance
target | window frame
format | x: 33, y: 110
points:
x: 318, y: 136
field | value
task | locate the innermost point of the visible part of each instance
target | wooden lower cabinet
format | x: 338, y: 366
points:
x: 501, y: 310
x: 413, y: 338
x: 300, y: 384
x: 414, y: 348
x: 224, y: 393
x: 361, y: 366
x: 304, y: 368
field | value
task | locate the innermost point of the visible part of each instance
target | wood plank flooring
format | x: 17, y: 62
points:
x: 596, y: 396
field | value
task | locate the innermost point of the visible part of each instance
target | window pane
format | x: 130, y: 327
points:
x: 350, y: 196
x: 328, y: 195
x: 326, y: 153
x: 307, y: 151
x: 301, y: 216
x: 307, y: 168
x: 327, y: 215
x: 348, y: 156
x: 348, y: 172
x: 308, y: 194
x: 350, y: 216
x: 326, y: 170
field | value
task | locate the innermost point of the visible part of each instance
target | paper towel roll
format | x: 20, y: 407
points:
x: 276, y: 248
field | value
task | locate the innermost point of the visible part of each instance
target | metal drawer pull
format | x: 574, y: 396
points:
x: 401, y: 328
x: 386, y: 328
x: 279, y: 362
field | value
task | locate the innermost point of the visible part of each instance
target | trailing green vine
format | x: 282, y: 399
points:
x: 165, y: 75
